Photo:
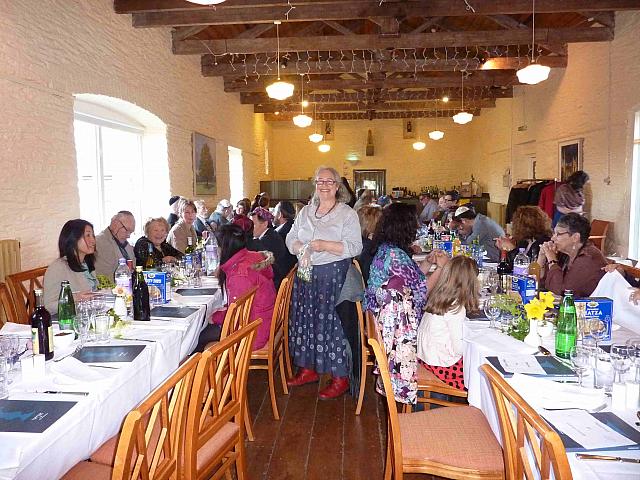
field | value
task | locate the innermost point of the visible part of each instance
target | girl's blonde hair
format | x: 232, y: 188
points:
x: 457, y: 287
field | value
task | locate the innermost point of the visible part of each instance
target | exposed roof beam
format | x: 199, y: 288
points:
x: 511, y: 23
x: 339, y: 27
x: 182, y: 33
x: 379, y: 107
x: 606, y: 19
x: 426, y: 24
x: 324, y: 67
x: 256, y: 30
x: 376, y: 42
x: 370, y: 115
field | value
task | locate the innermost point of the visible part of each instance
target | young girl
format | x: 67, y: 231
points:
x: 440, y: 331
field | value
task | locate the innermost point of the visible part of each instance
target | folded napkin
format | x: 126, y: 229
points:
x: 71, y: 371
x: 16, y: 329
x: 543, y: 393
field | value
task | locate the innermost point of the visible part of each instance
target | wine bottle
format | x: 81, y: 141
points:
x: 504, y: 272
x: 150, y: 263
x: 41, y: 329
x: 66, y: 306
x: 567, y: 326
x: 141, y: 307
x: 190, y: 248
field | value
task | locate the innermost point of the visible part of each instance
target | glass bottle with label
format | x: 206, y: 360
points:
x: 41, y: 329
x: 567, y: 326
x: 66, y: 306
x: 141, y: 307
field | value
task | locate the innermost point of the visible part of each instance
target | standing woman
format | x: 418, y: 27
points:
x: 183, y: 229
x: 325, y: 236
x: 569, y: 197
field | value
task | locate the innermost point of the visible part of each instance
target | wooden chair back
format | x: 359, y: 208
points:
x: 8, y: 306
x: 365, y: 351
x: 218, y: 399
x: 632, y: 271
x: 532, y: 449
x: 238, y: 313
x: 276, y: 334
x: 598, y: 236
x: 291, y: 276
x: 151, y: 443
x: 22, y: 286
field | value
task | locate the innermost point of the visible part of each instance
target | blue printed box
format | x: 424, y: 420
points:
x: 596, y: 308
x: 525, y: 286
x: 157, y: 283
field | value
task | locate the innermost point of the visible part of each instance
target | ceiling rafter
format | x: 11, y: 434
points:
x: 372, y: 115
x: 377, y: 106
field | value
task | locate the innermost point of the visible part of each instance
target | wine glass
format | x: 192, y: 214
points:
x: 81, y: 327
x: 635, y: 356
x: 492, y: 310
x: 597, y: 329
x: 620, y: 360
x: 581, y: 360
x: 492, y: 281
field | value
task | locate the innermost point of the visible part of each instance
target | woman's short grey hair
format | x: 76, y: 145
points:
x: 342, y: 195
x: 151, y: 221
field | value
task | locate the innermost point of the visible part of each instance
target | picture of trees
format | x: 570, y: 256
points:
x: 204, y: 164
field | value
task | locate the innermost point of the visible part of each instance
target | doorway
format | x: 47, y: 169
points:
x: 375, y: 180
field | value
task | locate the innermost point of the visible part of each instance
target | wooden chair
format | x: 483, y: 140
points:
x: 631, y: 271
x: 598, y: 236
x: 238, y: 313
x: 529, y: 443
x: 151, y: 441
x: 8, y: 305
x: 428, y: 383
x: 447, y: 442
x: 215, y: 439
x: 266, y: 358
x: 22, y: 286
x: 291, y: 276
x: 365, y: 321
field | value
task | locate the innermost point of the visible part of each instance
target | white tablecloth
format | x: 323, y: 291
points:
x: 98, y: 416
x: 480, y: 342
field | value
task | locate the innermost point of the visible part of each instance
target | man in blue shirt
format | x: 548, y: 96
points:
x: 477, y: 226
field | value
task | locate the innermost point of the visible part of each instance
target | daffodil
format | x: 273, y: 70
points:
x: 547, y: 299
x: 535, y: 309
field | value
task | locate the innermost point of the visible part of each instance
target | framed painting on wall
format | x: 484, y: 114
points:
x: 328, y: 130
x: 204, y: 164
x: 569, y: 157
x: 408, y: 128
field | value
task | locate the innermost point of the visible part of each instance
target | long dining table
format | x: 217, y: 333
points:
x: 99, y: 394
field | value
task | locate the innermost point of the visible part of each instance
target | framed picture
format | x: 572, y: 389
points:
x: 328, y: 130
x: 570, y: 157
x: 408, y: 128
x: 204, y: 164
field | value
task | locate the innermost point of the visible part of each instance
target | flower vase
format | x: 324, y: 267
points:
x: 120, y: 307
x: 532, y: 338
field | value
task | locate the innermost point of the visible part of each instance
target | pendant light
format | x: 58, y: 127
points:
x: 534, y: 72
x: 316, y: 137
x: 462, y: 117
x: 436, y: 134
x: 419, y: 145
x: 324, y: 147
x: 302, y: 120
x: 279, y: 90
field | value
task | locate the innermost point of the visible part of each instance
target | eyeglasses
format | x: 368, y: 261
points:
x: 125, y: 228
x: 325, y: 182
x: 557, y: 234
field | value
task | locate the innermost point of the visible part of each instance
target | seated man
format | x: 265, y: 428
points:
x: 445, y: 213
x: 428, y: 208
x: 112, y: 244
x: 283, y: 217
x: 202, y: 222
x: 222, y: 215
x: 477, y: 226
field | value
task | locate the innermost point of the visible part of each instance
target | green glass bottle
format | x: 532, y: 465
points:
x: 66, y: 307
x: 190, y: 248
x: 567, y: 327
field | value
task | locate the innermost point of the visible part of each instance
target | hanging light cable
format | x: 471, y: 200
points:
x: 534, y: 72
x: 302, y: 120
x: 436, y: 134
x: 279, y: 90
x: 462, y: 117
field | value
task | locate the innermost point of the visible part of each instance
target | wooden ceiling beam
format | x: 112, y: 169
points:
x: 511, y: 23
x: 182, y: 33
x: 370, y: 115
x: 429, y: 22
x: 256, y: 30
x: 339, y: 27
x: 379, y: 106
x: 162, y: 13
x: 404, y: 41
x: 216, y: 68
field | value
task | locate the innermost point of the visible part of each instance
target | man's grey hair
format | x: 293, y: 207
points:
x: 122, y: 214
x: 342, y: 195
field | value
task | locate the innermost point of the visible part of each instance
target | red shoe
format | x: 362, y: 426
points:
x: 303, y: 377
x: 338, y: 386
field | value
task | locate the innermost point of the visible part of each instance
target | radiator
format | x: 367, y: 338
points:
x: 9, y: 258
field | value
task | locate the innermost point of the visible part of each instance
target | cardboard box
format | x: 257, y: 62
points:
x: 158, y: 287
x: 525, y: 286
x: 596, y: 308
x: 446, y: 246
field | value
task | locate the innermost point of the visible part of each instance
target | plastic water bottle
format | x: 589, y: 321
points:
x: 521, y: 263
x: 211, y: 256
x: 123, y: 276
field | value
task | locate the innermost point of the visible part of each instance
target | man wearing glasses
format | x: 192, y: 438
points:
x: 112, y: 244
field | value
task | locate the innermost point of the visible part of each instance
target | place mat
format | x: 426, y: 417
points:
x: 109, y: 353
x: 196, y: 292
x: 551, y: 365
x: 31, y: 416
x: 172, y: 312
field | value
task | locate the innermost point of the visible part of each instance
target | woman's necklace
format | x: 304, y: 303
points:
x: 324, y: 215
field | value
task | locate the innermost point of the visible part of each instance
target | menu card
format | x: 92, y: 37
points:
x: 109, y: 353
x: 196, y: 292
x: 508, y: 364
x: 31, y: 416
x: 172, y: 312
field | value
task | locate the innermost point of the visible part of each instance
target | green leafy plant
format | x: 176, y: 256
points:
x: 105, y: 282
x: 519, y: 327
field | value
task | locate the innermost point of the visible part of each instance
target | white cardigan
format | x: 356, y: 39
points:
x: 440, y: 338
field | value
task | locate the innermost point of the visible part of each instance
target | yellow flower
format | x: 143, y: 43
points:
x: 535, y: 309
x: 547, y: 299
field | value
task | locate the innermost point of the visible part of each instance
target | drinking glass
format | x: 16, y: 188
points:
x: 98, y: 304
x: 635, y: 356
x: 493, y: 281
x: 102, y: 328
x: 81, y: 327
x: 597, y: 329
x: 492, y: 310
x: 4, y: 374
x: 603, y: 372
x: 581, y: 360
x: 620, y: 359
x: 85, y: 309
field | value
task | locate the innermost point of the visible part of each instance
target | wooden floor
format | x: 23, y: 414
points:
x: 315, y: 439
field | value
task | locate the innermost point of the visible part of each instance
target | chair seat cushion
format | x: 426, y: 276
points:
x: 88, y: 471
x: 216, y: 444
x: 106, y: 454
x: 427, y: 379
x: 459, y: 437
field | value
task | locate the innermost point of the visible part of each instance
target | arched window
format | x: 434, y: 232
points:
x: 121, y: 151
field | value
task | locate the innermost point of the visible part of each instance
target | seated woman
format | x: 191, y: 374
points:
x: 531, y: 227
x: 76, y: 245
x: 241, y: 270
x: 569, y: 261
x: 369, y: 217
x: 241, y: 216
x: 155, y: 235
x: 440, y: 332
x: 183, y: 229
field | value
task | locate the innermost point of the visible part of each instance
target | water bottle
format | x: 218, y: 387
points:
x: 211, y: 255
x: 66, y: 307
x: 123, y: 276
x: 567, y: 323
x: 521, y: 263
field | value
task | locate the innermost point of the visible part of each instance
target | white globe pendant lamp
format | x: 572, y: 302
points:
x: 436, y: 134
x: 533, y: 73
x: 419, y: 145
x: 302, y: 120
x: 324, y: 147
x: 316, y: 137
x: 279, y: 90
x: 462, y: 117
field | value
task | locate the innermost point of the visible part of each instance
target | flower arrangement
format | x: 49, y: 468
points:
x: 523, y: 314
x: 538, y: 306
